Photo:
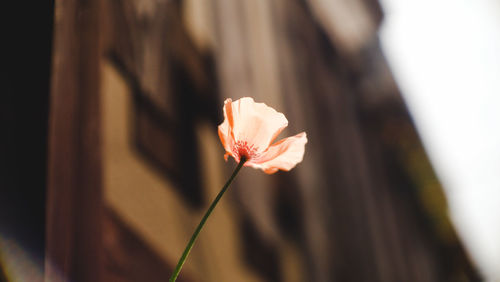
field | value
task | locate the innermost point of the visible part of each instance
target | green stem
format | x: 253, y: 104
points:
x: 202, y: 222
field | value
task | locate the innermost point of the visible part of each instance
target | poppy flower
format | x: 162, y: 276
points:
x: 248, y: 131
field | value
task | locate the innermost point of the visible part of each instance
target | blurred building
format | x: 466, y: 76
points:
x: 134, y: 157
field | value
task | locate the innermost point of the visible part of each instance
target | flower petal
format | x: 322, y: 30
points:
x: 225, y: 131
x: 255, y: 123
x: 283, y: 155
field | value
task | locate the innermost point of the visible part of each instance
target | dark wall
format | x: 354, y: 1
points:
x: 26, y: 61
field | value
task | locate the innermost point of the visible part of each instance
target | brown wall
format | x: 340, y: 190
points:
x: 135, y: 158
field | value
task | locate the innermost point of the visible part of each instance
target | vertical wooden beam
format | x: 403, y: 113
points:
x: 74, y: 197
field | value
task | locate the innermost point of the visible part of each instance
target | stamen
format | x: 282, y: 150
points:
x: 243, y: 148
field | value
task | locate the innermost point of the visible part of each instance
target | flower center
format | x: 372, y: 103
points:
x: 244, y: 149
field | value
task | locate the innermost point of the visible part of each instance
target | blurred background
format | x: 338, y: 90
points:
x: 110, y: 154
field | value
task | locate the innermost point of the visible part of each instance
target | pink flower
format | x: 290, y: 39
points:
x: 248, y: 130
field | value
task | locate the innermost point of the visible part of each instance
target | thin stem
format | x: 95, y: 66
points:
x: 202, y: 222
